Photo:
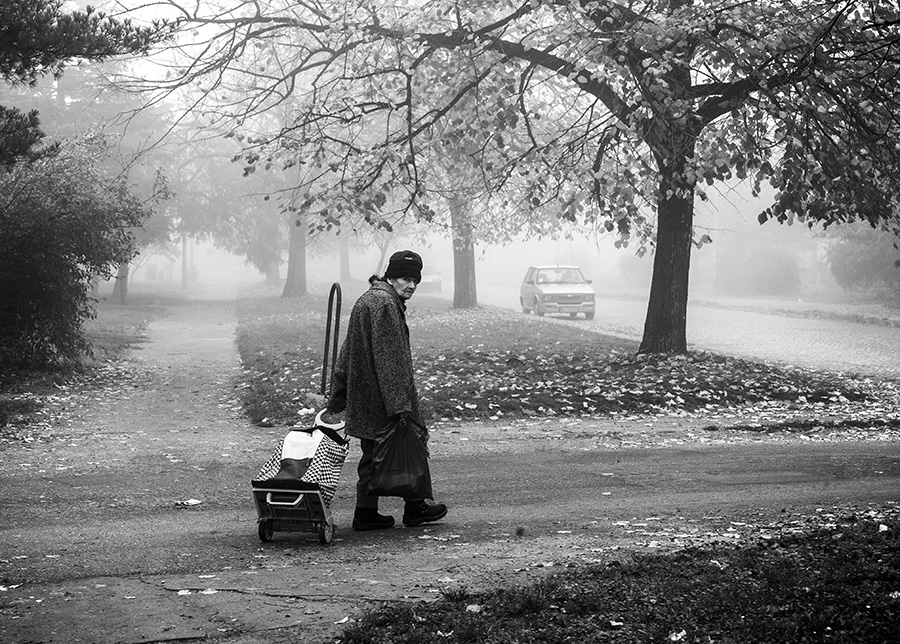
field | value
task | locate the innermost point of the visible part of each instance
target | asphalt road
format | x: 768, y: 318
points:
x: 831, y: 345
x: 96, y: 544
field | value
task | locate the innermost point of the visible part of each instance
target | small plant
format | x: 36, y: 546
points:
x: 12, y: 409
x: 457, y: 595
x: 470, y: 629
x: 527, y: 600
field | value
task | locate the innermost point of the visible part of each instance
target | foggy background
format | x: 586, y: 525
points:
x: 745, y: 259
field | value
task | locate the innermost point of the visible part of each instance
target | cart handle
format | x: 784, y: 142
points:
x: 290, y: 504
x: 334, y: 313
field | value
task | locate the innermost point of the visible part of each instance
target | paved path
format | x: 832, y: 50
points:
x: 852, y: 347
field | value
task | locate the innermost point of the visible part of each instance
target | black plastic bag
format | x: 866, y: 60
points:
x: 400, y: 461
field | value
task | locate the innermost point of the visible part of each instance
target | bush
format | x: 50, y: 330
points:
x: 42, y: 311
x: 63, y: 223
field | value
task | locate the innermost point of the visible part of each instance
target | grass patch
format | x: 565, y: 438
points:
x: 119, y: 327
x: 115, y: 329
x: 491, y: 363
x: 836, y: 583
x: 816, y: 425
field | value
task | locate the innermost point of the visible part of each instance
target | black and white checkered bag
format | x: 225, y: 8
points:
x: 310, y: 455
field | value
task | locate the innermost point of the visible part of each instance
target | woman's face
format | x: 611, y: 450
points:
x: 405, y: 286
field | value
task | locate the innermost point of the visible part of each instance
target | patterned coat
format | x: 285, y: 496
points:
x: 373, y: 377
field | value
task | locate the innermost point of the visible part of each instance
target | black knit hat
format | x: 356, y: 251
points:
x: 405, y: 263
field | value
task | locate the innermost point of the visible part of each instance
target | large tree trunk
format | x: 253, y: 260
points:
x: 383, y: 244
x: 665, y: 329
x: 184, y: 261
x: 273, y: 272
x: 465, y: 293
x: 295, y: 284
x: 120, y: 288
x: 344, y: 240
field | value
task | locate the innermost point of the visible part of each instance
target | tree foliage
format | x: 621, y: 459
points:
x: 19, y: 134
x: 38, y: 37
x: 615, y: 114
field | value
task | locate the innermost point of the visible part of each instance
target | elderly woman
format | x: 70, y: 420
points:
x: 373, y: 381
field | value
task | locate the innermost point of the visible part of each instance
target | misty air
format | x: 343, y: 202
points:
x: 449, y: 321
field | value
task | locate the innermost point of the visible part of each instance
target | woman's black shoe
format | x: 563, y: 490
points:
x: 369, y: 519
x: 419, y: 512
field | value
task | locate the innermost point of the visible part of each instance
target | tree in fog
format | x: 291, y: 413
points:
x: 623, y: 112
x: 862, y: 258
x: 253, y: 230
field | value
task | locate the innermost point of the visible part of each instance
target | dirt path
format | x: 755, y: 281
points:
x: 101, y: 539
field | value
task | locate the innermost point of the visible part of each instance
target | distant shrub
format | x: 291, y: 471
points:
x: 861, y: 257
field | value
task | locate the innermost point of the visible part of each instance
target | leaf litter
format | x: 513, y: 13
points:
x: 491, y: 365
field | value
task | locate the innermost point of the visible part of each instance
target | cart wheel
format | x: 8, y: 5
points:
x: 326, y: 533
x: 265, y: 530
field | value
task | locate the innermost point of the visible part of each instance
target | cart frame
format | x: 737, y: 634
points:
x: 292, y: 506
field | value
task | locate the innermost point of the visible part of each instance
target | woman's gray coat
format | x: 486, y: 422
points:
x: 373, y: 377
